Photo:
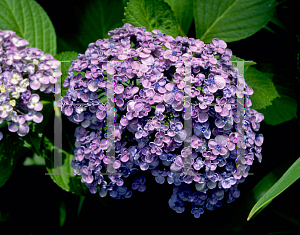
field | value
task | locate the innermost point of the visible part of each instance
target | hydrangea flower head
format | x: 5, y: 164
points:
x: 23, y: 70
x: 156, y: 79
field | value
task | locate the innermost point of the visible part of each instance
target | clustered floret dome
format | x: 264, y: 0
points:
x: 152, y: 90
x: 23, y: 70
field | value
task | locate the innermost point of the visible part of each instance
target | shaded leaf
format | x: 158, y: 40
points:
x: 270, y: 30
x: 287, y: 217
x: 29, y: 20
x: 231, y: 20
x: 63, y: 175
x: 98, y: 18
x: 63, y: 44
x: 34, y: 139
x: 152, y: 14
x: 288, y: 178
x: 62, y: 213
x: 10, y: 150
x: 275, y: 20
x: 283, y: 109
x: 183, y: 12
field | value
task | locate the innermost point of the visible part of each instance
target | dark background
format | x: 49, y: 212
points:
x: 31, y: 201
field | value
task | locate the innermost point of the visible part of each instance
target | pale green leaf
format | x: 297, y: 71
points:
x: 230, y: 20
x: 35, y: 161
x: 288, y: 178
x: 29, y: 20
x: 152, y: 14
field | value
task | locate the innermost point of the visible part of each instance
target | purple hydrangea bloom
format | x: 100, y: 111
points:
x: 139, y: 183
x: 23, y: 69
x: 20, y: 126
x: 151, y: 97
x: 159, y: 175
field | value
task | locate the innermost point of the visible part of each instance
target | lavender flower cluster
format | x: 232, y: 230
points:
x: 150, y: 82
x: 23, y: 69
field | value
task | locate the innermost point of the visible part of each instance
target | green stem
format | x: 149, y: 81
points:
x: 80, y: 205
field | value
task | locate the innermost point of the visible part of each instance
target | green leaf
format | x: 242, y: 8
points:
x: 182, y: 10
x: 231, y: 20
x: 34, y: 139
x: 64, y: 57
x: 98, y: 18
x: 283, y: 109
x: 62, y: 213
x: 298, y: 59
x: 262, y: 187
x: 152, y: 14
x: 29, y: 20
x: 275, y: 20
x: 80, y: 205
x: 64, y: 44
x: 269, y: 29
x: 288, y: 178
x: 247, y: 63
x: 263, y: 88
x: 47, y: 112
x: 63, y: 175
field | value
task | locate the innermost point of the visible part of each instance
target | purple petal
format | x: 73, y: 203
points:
x: 203, y: 117
x: 220, y: 81
x: 68, y: 110
x: 225, y: 112
x: 179, y: 95
x: 160, y: 179
x: 168, y: 97
x: 160, y: 108
x: 37, y: 117
x: 38, y: 106
x: 13, y: 127
x: 212, y: 144
x: 218, y: 108
x: 35, y: 85
x: 212, y: 88
x: 92, y: 86
x: 44, y: 80
x: 170, y: 86
x: 223, y: 151
x: 23, y: 129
